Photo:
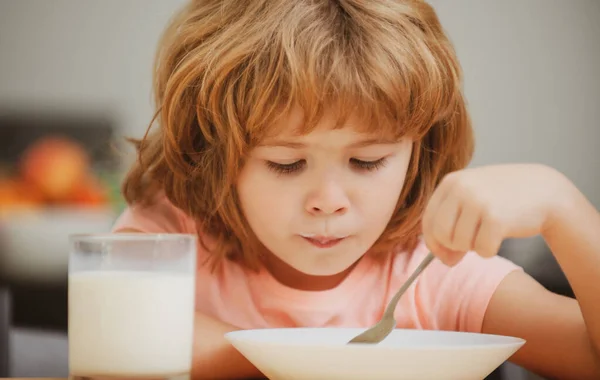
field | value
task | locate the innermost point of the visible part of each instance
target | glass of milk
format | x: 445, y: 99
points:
x: 131, y: 305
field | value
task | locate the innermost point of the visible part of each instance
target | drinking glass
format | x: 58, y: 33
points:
x: 131, y: 305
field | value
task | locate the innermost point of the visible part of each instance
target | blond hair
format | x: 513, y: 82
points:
x: 225, y: 70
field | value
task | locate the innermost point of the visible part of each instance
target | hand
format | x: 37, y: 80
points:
x: 476, y: 209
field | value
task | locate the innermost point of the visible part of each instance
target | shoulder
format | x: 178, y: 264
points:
x: 157, y: 216
x: 161, y: 216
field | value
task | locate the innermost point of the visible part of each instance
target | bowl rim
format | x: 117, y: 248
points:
x: 511, y: 341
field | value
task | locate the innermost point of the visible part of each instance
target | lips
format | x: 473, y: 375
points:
x: 323, y: 241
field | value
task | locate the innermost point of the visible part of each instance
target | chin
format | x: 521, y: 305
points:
x: 323, y: 267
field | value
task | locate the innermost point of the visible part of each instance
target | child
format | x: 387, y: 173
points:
x: 318, y: 150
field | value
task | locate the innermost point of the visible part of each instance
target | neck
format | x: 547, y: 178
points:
x: 293, y: 278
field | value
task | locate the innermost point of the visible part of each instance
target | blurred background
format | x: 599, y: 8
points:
x: 75, y: 80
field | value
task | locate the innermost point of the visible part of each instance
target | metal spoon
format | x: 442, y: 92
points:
x: 387, y: 323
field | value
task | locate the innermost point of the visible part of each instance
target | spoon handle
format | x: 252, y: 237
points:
x: 389, y: 311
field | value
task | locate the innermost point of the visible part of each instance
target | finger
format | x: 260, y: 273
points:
x: 432, y: 220
x: 466, y: 229
x: 430, y: 212
x: 445, y: 255
x: 439, y: 236
x: 445, y: 220
x: 489, y: 237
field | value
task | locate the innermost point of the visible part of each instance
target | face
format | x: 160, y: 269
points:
x: 319, y: 201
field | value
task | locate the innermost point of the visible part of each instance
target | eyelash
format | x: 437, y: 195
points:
x: 285, y: 168
x: 294, y: 167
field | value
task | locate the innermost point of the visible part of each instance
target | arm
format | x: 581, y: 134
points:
x: 214, y: 357
x: 563, y: 334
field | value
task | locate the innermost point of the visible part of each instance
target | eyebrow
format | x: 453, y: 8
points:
x: 297, y: 145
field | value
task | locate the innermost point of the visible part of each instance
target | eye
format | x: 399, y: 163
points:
x: 368, y: 165
x: 286, y: 168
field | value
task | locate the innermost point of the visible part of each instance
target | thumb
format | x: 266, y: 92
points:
x: 445, y: 255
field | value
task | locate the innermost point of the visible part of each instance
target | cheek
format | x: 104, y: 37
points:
x: 384, y: 192
x: 383, y: 197
x: 264, y: 204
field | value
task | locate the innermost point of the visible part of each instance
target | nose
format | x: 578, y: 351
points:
x: 328, y: 198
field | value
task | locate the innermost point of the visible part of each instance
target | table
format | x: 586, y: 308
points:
x: 4, y: 324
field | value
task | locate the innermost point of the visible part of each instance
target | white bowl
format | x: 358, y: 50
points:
x: 322, y: 353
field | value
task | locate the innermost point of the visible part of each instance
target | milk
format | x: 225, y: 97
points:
x: 129, y: 324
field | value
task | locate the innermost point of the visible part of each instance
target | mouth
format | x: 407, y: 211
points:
x: 323, y: 241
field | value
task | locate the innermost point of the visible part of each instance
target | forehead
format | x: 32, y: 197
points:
x: 293, y: 126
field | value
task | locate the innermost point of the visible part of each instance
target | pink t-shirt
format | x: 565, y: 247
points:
x: 442, y: 298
